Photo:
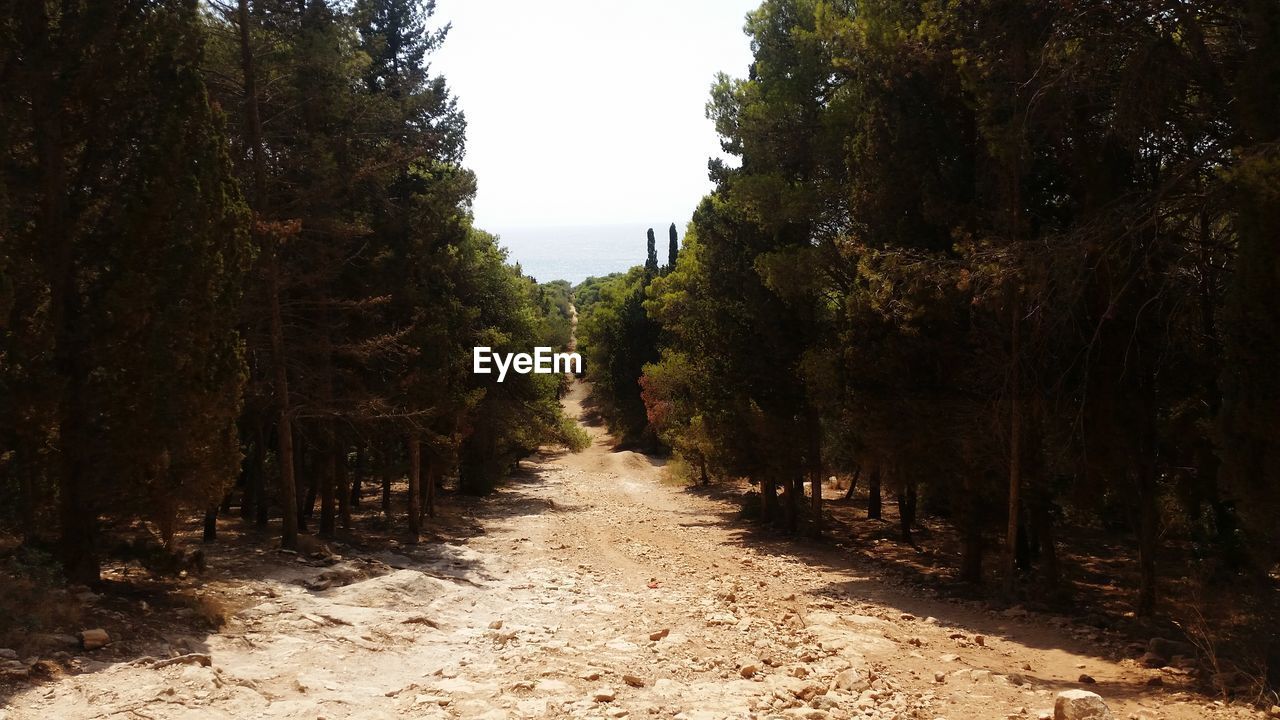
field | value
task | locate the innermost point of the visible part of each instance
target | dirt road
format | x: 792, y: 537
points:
x: 595, y: 590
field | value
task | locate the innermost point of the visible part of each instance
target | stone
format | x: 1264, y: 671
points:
x: 551, y: 686
x: 7, y: 654
x: 748, y: 671
x: 1086, y: 679
x: 980, y: 640
x: 605, y: 694
x: 850, y: 681
x: 495, y: 625
x: 1152, y: 660
x: 1080, y: 705
x: 1170, y: 648
x: 633, y: 680
x: 660, y: 634
x: 94, y: 639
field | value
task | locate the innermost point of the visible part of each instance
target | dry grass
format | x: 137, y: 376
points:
x: 33, y: 600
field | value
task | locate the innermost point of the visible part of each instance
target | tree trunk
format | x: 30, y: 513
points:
x: 1042, y: 522
x: 357, y: 479
x: 434, y: 472
x: 702, y: 469
x: 262, y: 506
x: 873, y: 494
x: 815, y: 473
x: 328, y: 486
x: 795, y: 488
x: 310, y: 464
x: 271, y: 249
x: 1015, y: 451
x: 344, y: 486
x: 77, y: 519
x: 27, y: 490
x: 386, y: 487
x: 1148, y: 528
x: 210, y: 525
x: 415, y: 481
x: 768, y: 500
x: 815, y: 486
x: 853, y: 484
x: 248, y: 469
x: 971, y: 537
x: 907, y: 511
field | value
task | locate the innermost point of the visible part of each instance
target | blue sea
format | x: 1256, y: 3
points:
x: 576, y: 253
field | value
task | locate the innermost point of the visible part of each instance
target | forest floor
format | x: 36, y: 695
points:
x: 589, y: 588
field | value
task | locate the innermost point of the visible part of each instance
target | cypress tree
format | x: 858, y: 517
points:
x: 673, y: 247
x: 651, y: 261
x: 134, y: 190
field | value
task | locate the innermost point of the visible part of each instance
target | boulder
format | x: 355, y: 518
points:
x: 1152, y: 660
x: 1080, y: 705
x: 1169, y: 648
x: 94, y: 639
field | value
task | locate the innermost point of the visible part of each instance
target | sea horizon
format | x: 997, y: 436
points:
x: 577, y: 252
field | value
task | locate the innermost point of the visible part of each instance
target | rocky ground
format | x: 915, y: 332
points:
x: 594, y: 590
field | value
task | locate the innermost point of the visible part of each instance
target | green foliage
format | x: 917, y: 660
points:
x: 673, y: 247
x: 952, y: 221
x: 651, y: 257
x: 127, y: 245
x: 617, y: 338
x: 138, y: 343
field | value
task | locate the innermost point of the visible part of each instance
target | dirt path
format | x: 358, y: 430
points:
x: 597, y: 591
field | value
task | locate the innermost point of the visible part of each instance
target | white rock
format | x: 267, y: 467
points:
x: 1080, y: 705
x: 604, y: 694
x: 851, y: 681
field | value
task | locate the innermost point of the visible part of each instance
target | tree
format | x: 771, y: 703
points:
x: 673, y: 247
x: 125, y: 216
x: 651, y: 258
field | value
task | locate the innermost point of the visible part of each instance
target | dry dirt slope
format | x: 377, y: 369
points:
x: 597, y: 591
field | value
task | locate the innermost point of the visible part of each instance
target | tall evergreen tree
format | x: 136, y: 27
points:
x: 651, y: 257
x: 124, y: 216
x: 673, y: 247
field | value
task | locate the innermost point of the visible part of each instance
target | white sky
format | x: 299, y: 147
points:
x: 584, y: 112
